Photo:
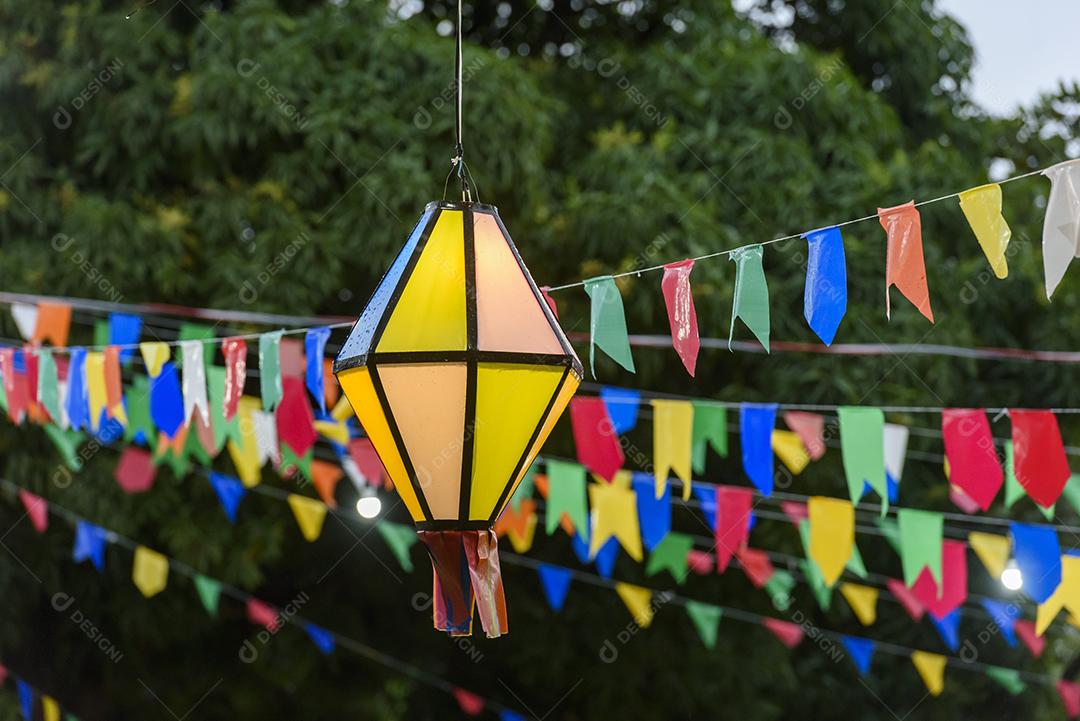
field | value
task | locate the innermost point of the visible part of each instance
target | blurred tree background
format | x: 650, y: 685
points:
x: 182, y: 151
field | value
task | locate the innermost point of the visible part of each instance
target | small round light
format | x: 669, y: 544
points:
x: 1011, y: 578
x: 369, y: 506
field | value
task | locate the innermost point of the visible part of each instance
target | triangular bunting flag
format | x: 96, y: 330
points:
x: 992, y: 549
x: 825, y: 296
x: 555, y: 581
x: 598, y: 446
x: 638, y: 602
x: 670, y: 555
x: 863, y: 601
x: 862, y: 444
x: 756, y: 424
x: 566, y: 495
x: 982, y: 208
x: 751, y: 298
x: 931, y: 668
x: 673, y: 429
x: 400, y: 538
x: 310, y: 515
x: 1038, y: 556
x: 149, y: 571
x: 904, y: 264
x: 614, y: 514
x: 607, y: 323
x: 682, y: 317
x: 832, y: 535
x: 706, y: 618
x: 1061, y: 222
x: 209, y: 591
x: 920, y: 543
x: 789, y: 634
x: 788, y: 446
x: 861, y: 651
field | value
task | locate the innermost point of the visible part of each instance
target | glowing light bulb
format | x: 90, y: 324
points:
x: 1011, y: 578
x: 369, y: 506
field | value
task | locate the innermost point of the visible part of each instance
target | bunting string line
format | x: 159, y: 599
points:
x: 793, y: 236
x: 295, y: 619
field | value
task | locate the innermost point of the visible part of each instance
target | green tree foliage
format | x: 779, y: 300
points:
x: 274, y: 155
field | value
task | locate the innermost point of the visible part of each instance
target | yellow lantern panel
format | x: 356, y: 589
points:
x: 428, y: 404
x: 430, y: 313
x: 509, y: 318
x: 510, y: 404
x: 566, y: 392
x: 357, y: 385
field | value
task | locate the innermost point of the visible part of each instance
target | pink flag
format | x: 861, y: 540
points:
x: 962, y: 500
x: 36, y: 508
x: 700, y: 562
x: 1039, y: 455
x: 940, y: 603
x: 135, y: 471
x: 973, y: 461
x: 1026, y: 631
x: 681, y: 313
x: 790, y: 634
x: 904, y: 264
x: 1070, y: 697
x: 367, y: 460
x: 733, y: 506
x: 235, y: 352
x: 906, y: 597
x: 811, y: 430
x: 756, y: 565
x: 545, y: 290
x: 470, y: 703
x: 262, y: 614
x: 598, y: 447
x: 795, y: 511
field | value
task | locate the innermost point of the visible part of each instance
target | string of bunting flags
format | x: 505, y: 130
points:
x: 825, y: 295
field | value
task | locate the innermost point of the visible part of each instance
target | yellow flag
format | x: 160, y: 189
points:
x: 638, y: 601
x: 982, y: 208
x: 309, y: 513
x: 244, y: 450
x: 50, y: 710
x: 342, y: 411
x: 992, y: 550
x: 614, y: 513
x: 931, y: 667
x: 789, y: 446
x: 673, y: 431
x: 337, y: 432
x: 621, y: 479
x: 154, y: 356
x: 1066, y: 595
x: 95, y: 385
x: 832, y: 535
x: 863, y: 601
x: 150, y: 571
x: 523, y: 541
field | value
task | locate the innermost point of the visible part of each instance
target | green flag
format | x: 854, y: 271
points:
x: 920, y: 543
x: 710, y: 428
x: 779, y: 587
x: 751, y: 302
x: 890, y: 531
x: 524, y: 489
x: 670, y: 555
x: 101, y: 332
x: 855, y: 563
x: 607, y: 323
x: 223, y: 430
x: 289, y: 459
x: 1009, y: 678
x: 566, y: 494
x: 706, y: 618
x: 209, y: 592
x: 48, y: 390
x: 862, y: 445
x: 400, y: 538
x: 67, y: 442
x: 270, y: 369
x: 137, y: 406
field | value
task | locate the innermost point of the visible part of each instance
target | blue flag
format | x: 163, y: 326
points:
x: 314, y: 346
x: 323, y: 639
x: 26, y: 699
x: 78, y: 398
x: 89, y: 544
x: 605, y: 557
x: 949, y: 628
x: 167, y: 400
x: 706, y: 496
x: 1038, y: 557
x: 825, y: 296
x: 505, y: 715
x: 654, y: 514
x: 861, y: 651
x: 1004, y: 615
x: 556, y: 582
x: 229, y: 491
x: 622, y: 407
x: 756, y: 424
x: 124, y: 329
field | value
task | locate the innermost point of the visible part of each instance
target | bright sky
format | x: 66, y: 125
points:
x: 1022, y: 47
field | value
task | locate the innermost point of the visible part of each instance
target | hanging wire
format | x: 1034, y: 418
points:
x: 141, y: 6
x: 457, y: 161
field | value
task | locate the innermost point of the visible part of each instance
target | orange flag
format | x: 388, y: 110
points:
x: 325, y: 476
x: 904, y: 264
x: 53, y: 322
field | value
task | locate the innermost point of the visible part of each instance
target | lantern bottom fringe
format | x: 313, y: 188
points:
x: 466, y: 574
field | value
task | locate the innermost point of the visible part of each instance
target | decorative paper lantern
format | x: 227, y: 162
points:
x: 458, y: 370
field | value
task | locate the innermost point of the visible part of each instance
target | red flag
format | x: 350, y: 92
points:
x: 598, y: 447
x: 973, y: 461
x: 235, y: 352
x: 114, y: 397
x: 545, y: 290
x: 31, y: 359
x: 15, y: 387
x: 732, y: 522
x: 700, y: 562
x: 906, y: 597
x: 262, y: 614
x: 953, y: 580
x: 36, y: 508
x: 1026, y: 631
x: 295, y: 422
x: 904, y: 264
x: 756, y: 565
x: 1039, y: 455
x: 367, y: 460
x: 795, y: 511
x: 470, y: 703
x: 790, y: 634
x: 1070, y: 697
x: 811, y: 430
x: 681, y: 313
x: 135, y: 471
